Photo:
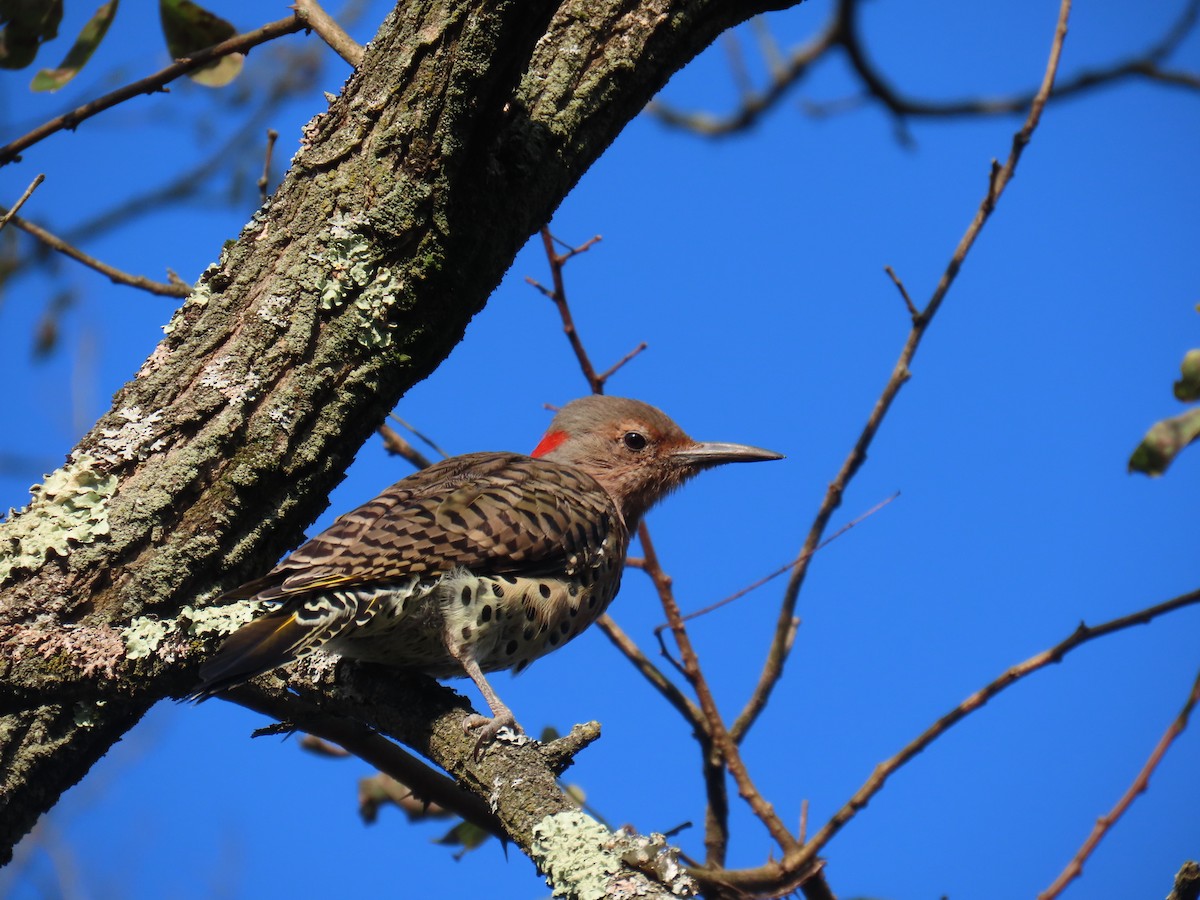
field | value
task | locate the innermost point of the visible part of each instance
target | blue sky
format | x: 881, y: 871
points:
x: 753, y: 268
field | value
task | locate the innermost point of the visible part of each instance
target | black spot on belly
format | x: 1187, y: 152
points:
x: 485, y: 614
x: 466, y: 596
x: 511, y: 647
x: 466, y: 632
x: 544, y: 590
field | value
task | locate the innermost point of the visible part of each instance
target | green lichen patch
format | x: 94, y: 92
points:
x: 147, y: 635
x: 137, y: 438
x: 571, y: 848
x: 351, y: 274
x: 198, y: 299
x: 584, y: 859
x: 70, y: 507
x: 144, y: 635
x: 224, y: 619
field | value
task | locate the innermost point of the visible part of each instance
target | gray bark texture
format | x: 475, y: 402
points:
x: 465, y: 126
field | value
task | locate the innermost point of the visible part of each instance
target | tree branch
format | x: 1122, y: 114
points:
x: 240, y: 43
x: 999, y: 178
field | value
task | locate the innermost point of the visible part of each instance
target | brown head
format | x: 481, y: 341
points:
x: 634, y: 450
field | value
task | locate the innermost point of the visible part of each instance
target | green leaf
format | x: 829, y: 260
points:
x: 27, y: 25
x: 187, y: 28
x: 1188, y: 387
x: 85, y: 45
x: 466, y: 835
x: 1164, y: 441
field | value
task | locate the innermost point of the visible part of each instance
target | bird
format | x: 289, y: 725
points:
x: 477, y: 563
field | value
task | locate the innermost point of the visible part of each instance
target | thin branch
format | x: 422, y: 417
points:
x: 842, y: 31
x: 558, y: 296
x: 425, y: 439
x: 615, y: 367
x: 265, y: 179
x: 370, y: 746
x: 329, y: 31
x: 1145, y: 66
x: 786, y: 567
x: 1082, y: 635
x: 1075, y: 867
x: 770, y: 874
x: 114, y: 275
x: 671, y: 693
x: 784, y: 74
x: 737, y: 64
x: 912, y: 309
x: 998, y: 180
x: 240, y: 43
x: 396, y: 445
x: 715, y: 725
x: 12, y: 211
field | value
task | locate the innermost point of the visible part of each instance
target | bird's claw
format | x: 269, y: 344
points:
x: 487, y: 728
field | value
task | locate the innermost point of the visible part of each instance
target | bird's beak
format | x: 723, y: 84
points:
x: 710, y: 453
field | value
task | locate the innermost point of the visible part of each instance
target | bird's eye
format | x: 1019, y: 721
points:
x: 634, y: 440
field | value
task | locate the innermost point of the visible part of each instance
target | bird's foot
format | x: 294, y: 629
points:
x: 486, y: 728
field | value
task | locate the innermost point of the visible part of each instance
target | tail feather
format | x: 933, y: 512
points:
x: 253, y: 649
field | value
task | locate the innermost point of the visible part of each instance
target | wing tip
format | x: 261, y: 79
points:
x: 257, y: 647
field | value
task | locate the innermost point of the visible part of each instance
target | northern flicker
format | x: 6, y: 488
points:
x: 477, y: 563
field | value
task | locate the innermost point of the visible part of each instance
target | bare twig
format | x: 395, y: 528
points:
x: 1075, y: 867
x: 1082, y: 635
x: 771, y: 873
x: 842, y: 31
x: 784, y: 74
x: 714, y: 724
x: 12, y: 210
x: 558, y: 296
x: 997, y: 181
x: 786, y: 567
x: 115, y: 275
x: 371, y: 747
x: 424, y: 438
x: 240, y: 43
x: 623, y: 642
x: 912, y: 309
x: 612, y: 370
x: 395, y: 444
x: 321, y: 747
x: 737, y: 64
x: 329, y: 31
x: 265, y: 179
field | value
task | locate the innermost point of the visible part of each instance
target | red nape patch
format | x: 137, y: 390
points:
x: 551, y: 441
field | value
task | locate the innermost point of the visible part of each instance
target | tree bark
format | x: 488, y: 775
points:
x: 465, y: 126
